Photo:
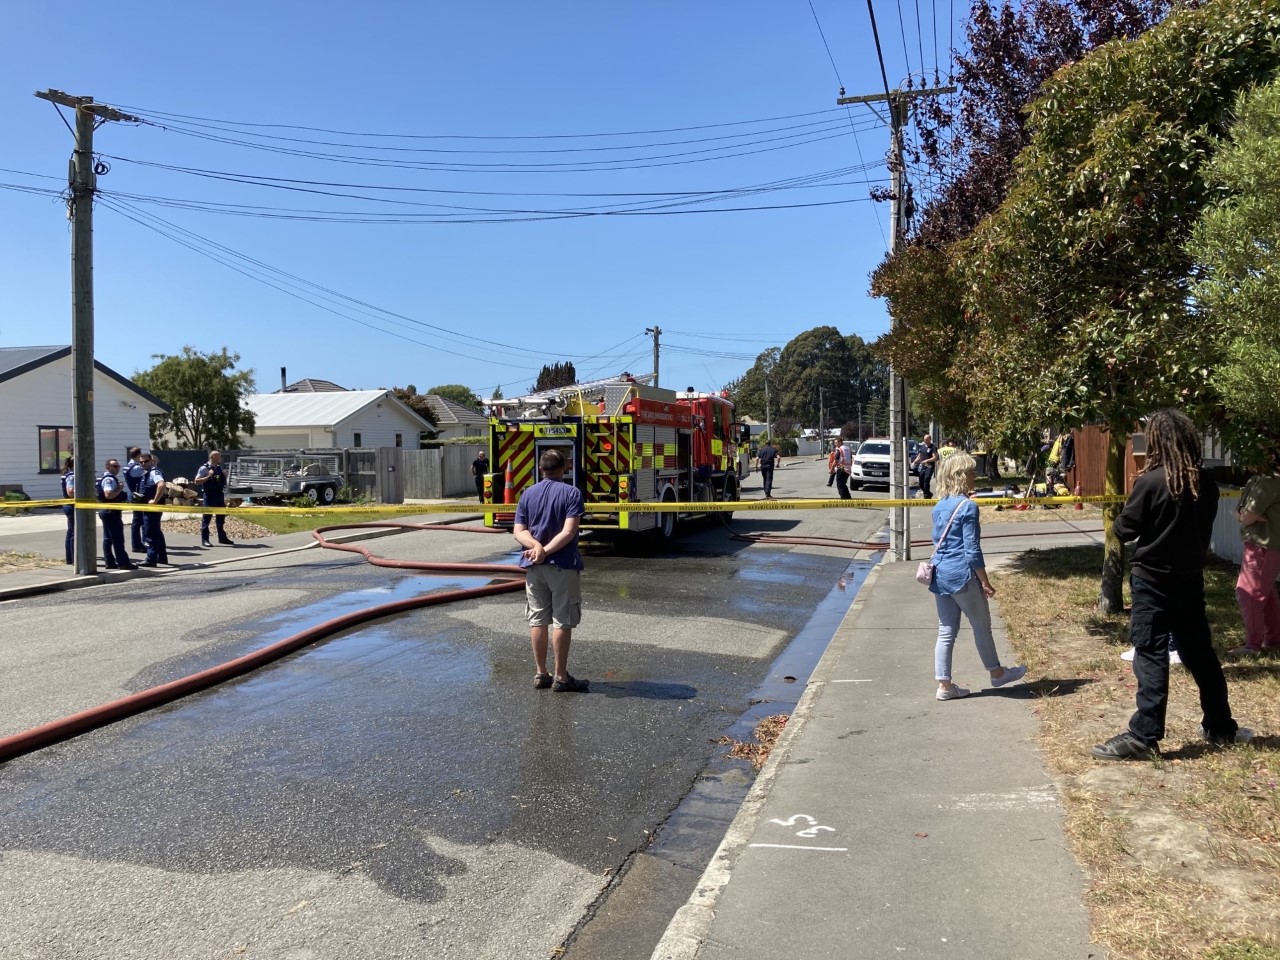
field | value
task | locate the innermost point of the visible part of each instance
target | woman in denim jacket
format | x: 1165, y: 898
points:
x: 960, y: 583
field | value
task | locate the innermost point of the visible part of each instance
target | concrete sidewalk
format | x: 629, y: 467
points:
x: 888, y: 824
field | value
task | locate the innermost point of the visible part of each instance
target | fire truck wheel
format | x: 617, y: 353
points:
x: 730, y: 493
x: 667, y: 521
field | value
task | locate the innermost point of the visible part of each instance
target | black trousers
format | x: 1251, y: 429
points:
x: 220, y: 520
x: 766, y: 476
x: 1159, y: 607
x: 842, y: 484
x: 138, y: 525
x: 480, y: 489
x: 926, y: 480
x: 157, y: 549
x: 113, y: 552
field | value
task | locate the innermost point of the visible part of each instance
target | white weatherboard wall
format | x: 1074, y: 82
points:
x: 378, y: 426
x: 43, y: 397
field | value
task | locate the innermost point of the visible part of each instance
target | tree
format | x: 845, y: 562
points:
x: 497, y: 393
x: 748, y: 391
x: 204, y: 397
x: 555, y: 375
x: 463, y: 396
x: 1236, y: 247
x: 415, y: 401
x: 1078, y: 285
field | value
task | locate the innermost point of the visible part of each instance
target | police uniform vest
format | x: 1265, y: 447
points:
x: 133, y: 475
x: 150, y: 480
x: 213, y: 487
x: 69, y: 484
x: 102, y: 495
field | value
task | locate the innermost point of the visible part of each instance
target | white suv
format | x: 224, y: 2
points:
x: 870, y: 463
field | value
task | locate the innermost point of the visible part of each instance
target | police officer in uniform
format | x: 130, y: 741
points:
x: 69, y: 491
x: 111, y: 489
x: 479, y: 467
x: 212, y: 481
x: 152, y: 491
x: 133, y: 475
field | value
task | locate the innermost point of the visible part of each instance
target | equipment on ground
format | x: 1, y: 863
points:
x: 624, y: 442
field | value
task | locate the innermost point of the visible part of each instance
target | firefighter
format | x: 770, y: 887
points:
x: 111, y: 488
x: 212, y: 481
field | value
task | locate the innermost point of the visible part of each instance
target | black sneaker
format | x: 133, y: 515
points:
x: 1242, y: 735
x: 570, y: 685
x: 1125, y: 746
x: 225, y: 542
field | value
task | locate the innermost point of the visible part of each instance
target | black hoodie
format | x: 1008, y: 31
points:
x: 1172, y: 534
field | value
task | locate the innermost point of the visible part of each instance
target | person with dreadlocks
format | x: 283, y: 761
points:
x: 1170, y: 515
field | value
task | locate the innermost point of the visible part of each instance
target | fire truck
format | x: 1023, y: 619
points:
x: 624, y: 442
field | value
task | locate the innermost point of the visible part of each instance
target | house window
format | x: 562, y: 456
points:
x: 55, y: 447
x: 399, y: 440
x: 473, y: 432
x: 355, y: 441
x: 423, y: 439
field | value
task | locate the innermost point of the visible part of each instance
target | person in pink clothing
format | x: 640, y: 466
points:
x: 1259, y: 516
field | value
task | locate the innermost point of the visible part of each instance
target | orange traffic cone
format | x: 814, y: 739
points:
x: 509, y: 494
x: 1079, y: 506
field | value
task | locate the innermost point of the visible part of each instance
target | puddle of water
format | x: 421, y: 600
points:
x: 301, y: 618
x: 694, y: 829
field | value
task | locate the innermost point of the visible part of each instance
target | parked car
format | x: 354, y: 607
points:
x: 870, y: 463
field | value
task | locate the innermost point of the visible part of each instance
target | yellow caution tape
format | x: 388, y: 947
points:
x: 593, y: 509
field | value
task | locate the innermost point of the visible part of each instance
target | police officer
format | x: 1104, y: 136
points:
x: 69, y: 492
x: 152, y: 491
x: 111, y: 489
x: 133, y: 475
x: 212, y: 481
x: 479, y: 467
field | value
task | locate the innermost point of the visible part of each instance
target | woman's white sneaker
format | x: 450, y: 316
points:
x: 952, y: 693
x: 1010, y: 675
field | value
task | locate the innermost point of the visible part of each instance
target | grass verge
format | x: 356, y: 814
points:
x: 13, y: 560
x: 1183, y: 854
x: 296, y: 522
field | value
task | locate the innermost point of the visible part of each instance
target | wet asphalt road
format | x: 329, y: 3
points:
x: 400, y: 790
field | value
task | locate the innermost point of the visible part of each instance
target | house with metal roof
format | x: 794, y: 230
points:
x: 36, y: 395
x: 326, y: 419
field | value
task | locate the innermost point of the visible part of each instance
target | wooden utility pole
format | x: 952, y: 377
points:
x: 83, y: 184
x: 656, y: 331
x: 899, y: 484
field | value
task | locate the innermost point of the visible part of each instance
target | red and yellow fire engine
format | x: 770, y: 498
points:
x: 624, y: 442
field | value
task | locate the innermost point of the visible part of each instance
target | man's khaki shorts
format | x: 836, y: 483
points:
x: 553, y: 596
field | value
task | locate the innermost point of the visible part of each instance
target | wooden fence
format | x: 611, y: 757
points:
x: 435, y: 474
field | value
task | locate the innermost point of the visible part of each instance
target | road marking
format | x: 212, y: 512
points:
x: 800, y: 846
x: 852, y: 681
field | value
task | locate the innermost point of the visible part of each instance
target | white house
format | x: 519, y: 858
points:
x: 36, y: 397
x: 456, y: 422
x: 343, y: 418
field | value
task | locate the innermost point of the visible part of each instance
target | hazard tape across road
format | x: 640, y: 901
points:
x: 593, y: 509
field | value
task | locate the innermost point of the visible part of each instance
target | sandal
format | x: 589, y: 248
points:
x: 541, y: 681
x: 570, y: 685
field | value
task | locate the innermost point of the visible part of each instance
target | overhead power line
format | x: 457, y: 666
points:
x: 145, y: 111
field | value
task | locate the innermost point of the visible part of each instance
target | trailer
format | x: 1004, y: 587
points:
x: 285, y: 476
x: 623, y: 442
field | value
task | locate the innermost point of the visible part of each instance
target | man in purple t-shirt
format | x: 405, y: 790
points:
x: 547, y: 519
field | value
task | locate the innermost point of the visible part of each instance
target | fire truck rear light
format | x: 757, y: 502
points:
x: 607, y: 446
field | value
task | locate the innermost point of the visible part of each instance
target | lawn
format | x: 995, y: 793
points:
x: 1183, y: 854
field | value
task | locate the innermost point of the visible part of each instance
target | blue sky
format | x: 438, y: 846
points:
x: 475, y: 303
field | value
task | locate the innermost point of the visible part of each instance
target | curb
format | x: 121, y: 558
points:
x: 93, y: 580
x: 688, y: 929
